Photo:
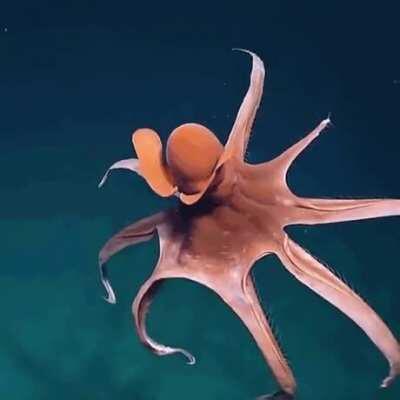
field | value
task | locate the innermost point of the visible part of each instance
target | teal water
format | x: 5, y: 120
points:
x: 76, y: 80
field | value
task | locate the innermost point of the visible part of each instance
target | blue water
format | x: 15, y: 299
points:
x: 76, y: 80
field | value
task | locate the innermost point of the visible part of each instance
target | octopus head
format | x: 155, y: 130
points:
x: 193, y: 152
x: 193, y: 155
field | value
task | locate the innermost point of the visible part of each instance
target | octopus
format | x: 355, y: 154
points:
x: 231, y: 213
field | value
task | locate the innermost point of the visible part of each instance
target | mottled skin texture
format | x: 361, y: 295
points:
x: 216, y: 239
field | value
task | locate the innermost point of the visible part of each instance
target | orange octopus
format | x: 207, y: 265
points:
x: 230, y: 214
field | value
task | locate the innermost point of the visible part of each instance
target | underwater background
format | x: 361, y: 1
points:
x: 76, y: 79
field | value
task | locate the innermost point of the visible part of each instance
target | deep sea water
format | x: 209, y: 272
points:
x: 76, y: 80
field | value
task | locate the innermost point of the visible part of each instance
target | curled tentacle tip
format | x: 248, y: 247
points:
x: 240, y: 49
x: 191, y: 360
x: 386, y: 382
x: 257, y: 62
x: 389, y: 379
x: 245, y: 51
x: 110, y: 298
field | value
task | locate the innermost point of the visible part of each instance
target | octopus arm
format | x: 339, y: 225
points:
x: 323, y: 211
x: 135, y: 233
x: 130, y: 164
x: 275, y: 170
x: 140, y: 307
x: 236, y: 288
x: 239, y: 135
x: 246, y: 305
x: 282, y: 163
x: 318, y: 278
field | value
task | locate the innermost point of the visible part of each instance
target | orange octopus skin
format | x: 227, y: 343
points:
x: 241, y: 217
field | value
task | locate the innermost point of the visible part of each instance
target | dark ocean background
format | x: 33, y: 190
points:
x: 76, y: 78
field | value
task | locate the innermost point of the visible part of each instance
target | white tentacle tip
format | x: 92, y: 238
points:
x: 103, y: 180
x: 240, y: 49
x: 257, y: 62
x: 131, y: 164
x: 386, y: 383
x: 191, y: 360
x: 327, y: 121
x: 110, y: 299
x: 394, y: 372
